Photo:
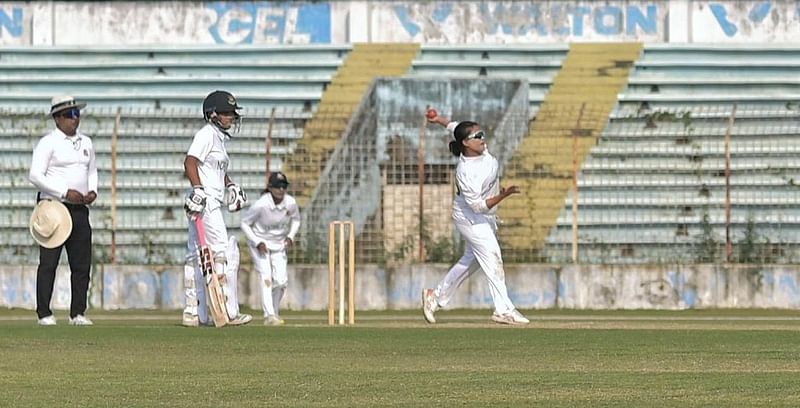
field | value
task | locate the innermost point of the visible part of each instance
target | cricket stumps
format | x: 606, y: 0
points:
x: 341, y: 253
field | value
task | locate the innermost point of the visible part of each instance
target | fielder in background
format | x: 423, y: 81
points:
x: 270, y: 226
x: 206, y: 167
x: 64, y: 170
x: 474, y: 215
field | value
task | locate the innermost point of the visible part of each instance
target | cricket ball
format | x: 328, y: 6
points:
x: 432, y: 113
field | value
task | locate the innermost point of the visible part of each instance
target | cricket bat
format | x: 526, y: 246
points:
x: 216, y: 298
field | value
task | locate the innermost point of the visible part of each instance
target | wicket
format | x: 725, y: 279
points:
x: 339, y: 228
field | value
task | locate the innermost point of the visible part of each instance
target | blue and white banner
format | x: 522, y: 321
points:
x: 746, y: 21
x: 146, y: 23
x: 459, y: 22
x: 165, y: 23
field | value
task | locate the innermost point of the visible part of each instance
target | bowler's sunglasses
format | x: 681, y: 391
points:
x: 73, y: 113
x: 476, y: 135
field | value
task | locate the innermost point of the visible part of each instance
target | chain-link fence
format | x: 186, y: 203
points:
x: 679, y: 185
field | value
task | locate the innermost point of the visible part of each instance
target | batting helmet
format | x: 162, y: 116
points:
x: 219, y: 101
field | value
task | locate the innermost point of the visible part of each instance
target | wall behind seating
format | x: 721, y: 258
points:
x: 428, y: 22
x: 531, y: 286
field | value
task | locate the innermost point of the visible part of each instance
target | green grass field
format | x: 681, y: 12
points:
x: 562, y: 359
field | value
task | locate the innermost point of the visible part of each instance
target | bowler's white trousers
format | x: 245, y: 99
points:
x: 481, y: 251
x: 271, y: 268
x: 225, y: 253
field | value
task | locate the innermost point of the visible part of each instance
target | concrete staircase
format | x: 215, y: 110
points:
x: 340, y: 99
x: 579, y: 103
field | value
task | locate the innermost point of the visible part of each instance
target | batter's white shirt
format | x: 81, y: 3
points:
x: 271, y: 223
x: 208, y: 146
x: 477, y: 180
x: 62, y: 163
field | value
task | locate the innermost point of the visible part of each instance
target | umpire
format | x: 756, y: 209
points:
x: 64, y: 170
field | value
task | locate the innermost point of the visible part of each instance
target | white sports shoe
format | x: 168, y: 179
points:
x: 429, y: 305
x: 273, y: 321
x: 80, y: 320
x: 240, y: 320
x: 190, y: 320
x: 512, y: 317
x: 47, y: 321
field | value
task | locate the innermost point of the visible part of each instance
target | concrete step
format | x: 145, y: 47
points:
x: 591, y: 75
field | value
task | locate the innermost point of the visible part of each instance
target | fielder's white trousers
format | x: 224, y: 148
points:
x: 273, y: 278
x: 225, y: 255
x: 481, y: 251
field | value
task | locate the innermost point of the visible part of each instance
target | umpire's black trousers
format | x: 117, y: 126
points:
x: 79, y: 254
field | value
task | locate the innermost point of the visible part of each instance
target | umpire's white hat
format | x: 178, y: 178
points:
x: 64, y: 102
x: 51, y: 223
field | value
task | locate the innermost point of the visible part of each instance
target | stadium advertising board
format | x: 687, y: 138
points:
x: 427, y: 22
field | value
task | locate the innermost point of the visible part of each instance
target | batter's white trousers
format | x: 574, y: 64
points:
x: 273, y: 278
x: 225, y: 254
x: 481, y: 251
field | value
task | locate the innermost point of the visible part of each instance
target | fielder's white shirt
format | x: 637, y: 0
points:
x: 271, y: 223
x: 208, y: 146
x: 62, y: 163
x: 477, y: 179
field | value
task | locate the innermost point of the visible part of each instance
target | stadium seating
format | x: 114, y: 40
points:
x: 644, y: 188
x: 282, y: 76
x: 655, y: 189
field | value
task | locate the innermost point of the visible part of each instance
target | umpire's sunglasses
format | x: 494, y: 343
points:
x: 476, y: 135
x: 73, y: 113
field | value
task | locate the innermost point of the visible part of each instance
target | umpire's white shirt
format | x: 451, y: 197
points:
x: 477, y: 179
x: 271, y: 223
x: 208, y: 146
x: 62, y: 163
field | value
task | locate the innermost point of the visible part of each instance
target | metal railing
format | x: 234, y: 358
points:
x: 680, y: 185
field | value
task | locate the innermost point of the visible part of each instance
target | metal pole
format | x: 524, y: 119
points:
x: 269, y: 147
x: 728, y: 241
x: 114, y: 136
x: 421, y: 181
x: 575, y: 168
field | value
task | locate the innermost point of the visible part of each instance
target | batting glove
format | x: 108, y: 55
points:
x: 236, y: 198
x: 195, y: 202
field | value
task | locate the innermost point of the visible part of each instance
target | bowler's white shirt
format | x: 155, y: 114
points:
x: 477, y: 179
x: 62, y: 163
x: 208, y: 146
x: 271, y: 223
